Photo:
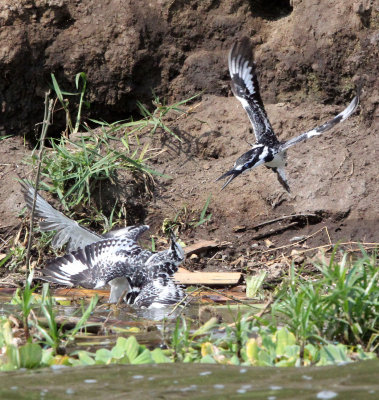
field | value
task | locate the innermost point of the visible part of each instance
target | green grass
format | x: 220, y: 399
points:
x: 151, y: 121
x: 188, y: 219
x: 328, y: 320
x: 75, y: 168
x: 341, y: 304
x: 61, y: 96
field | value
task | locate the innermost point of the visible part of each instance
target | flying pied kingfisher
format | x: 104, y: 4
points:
x: 267, y: 150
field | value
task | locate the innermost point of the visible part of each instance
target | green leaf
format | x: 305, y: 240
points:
x: 85, y: 358
x: 30, y: 355
x: 143, y: 358
x: 284, y: 338
x: 252, y: 351
x: 6, y: 258
x: 57, y: 88
x: 159, y: 357
x: 13, y: 357
x: 131, y: 348
x: 332, y: 354
x: 208, y: 359
x: 126, y: 347
x: 254, y: 283
x: 103, y: 356
x: 210, y: 324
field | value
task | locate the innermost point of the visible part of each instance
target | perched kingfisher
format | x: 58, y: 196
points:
x: 114, y: 258
x: 267, y: 150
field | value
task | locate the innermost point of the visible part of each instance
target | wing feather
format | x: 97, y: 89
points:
x: 246, y: 89
x: 350, y: 109
x: 68, y: 231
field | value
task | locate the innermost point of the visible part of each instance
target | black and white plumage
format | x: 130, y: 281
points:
x: 114, y: 258
x: 125, y: 264
x: 67, y: 230
x: 267, y: 150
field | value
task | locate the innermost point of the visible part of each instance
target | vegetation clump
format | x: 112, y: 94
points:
x: 328, y: 320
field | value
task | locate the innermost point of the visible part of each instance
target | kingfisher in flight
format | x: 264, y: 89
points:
x: 267, y: 150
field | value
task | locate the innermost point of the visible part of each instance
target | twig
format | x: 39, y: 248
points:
x: 45, y: 126
x: 368, y: 246
x: 226, y: 295
x: 119, y: 301
x: 282, y: 218
x: 296, y: 243
x: 327, y: 232
x: 275, y: 231
x: 183, y: 300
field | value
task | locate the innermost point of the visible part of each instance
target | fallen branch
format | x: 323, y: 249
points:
x: 271, y: 221
x: 207, y: 278
x: 275, y: 231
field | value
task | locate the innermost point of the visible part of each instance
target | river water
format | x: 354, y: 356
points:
x: 358, y: 380
x: 194, y: 381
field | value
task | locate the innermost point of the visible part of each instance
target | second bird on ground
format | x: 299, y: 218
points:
x: 115, y: 259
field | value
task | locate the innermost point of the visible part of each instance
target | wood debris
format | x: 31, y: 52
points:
x: 207, y: 278
x: 202, y: 246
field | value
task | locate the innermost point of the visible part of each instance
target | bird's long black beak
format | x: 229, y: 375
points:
x: 232, y: 174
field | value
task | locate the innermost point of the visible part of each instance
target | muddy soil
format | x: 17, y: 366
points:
x: 310, y: 56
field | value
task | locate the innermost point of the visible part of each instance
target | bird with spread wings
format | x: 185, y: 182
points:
x: 267, y: 150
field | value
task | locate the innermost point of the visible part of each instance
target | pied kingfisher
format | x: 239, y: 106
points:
x: 114, y: 258
x: 267, y: 150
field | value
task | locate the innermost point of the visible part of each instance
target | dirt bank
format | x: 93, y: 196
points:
x: 309, y: 57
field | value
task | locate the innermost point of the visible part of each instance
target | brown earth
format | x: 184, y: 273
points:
x: 309, y: 57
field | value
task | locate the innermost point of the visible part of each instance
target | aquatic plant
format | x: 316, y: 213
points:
x: 342, y: 304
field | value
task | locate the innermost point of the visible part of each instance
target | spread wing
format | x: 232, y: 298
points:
x: 246, y: 89
x: 324, y: 127
x: 68, y: 231
x: 94, y: 265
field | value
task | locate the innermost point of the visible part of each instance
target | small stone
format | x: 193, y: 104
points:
x: 299, y: 259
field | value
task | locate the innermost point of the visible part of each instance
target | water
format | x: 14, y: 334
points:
x: 180, y: 381
x: 194, y: 381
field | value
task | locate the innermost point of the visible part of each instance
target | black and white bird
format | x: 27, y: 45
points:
x: 267, y: 150
x: 121, y: 261
x: 114, y: 258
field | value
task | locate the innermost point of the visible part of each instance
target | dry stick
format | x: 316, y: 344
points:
x: 296, y: 243
x: 275, y: 231
x: 45, y: 125
x: 219, y: 292
x: 180, y: 302
x: 282, y: 218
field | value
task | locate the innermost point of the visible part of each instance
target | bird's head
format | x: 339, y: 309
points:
x: 252, y: 158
